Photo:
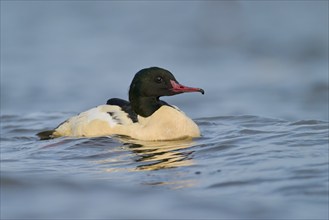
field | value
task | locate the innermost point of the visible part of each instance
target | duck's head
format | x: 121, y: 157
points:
x: 157, y: 82
x: 151, y: 83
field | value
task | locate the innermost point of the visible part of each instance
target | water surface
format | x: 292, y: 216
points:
x: 264, y: 117
x: 242, y: 167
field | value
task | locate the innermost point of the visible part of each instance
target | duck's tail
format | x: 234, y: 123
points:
x: 46, y: 135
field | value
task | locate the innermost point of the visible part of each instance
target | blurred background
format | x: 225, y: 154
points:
x: 265, y: 58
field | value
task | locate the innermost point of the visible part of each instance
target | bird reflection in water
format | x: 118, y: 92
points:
x: 151, y: 155
x: 136, y: 156
x: 161, y: 155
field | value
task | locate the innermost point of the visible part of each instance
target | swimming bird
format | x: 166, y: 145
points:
x: 144, y: 117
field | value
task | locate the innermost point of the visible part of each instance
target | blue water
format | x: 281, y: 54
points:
x: 264, y: 118
x: 242, y: 167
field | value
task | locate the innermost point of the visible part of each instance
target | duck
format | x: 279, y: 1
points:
x: 144, y: 117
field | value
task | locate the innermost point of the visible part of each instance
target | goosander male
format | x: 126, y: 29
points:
x: 145, y: 117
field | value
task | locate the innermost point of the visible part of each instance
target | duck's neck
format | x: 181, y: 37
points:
x: 145, y: 106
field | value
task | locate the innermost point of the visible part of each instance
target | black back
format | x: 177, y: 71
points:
x: 125, y: 106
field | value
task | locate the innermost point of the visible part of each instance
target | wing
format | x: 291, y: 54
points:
x: 98, y: 121
x: 125, y: 106
x: 102, y: 120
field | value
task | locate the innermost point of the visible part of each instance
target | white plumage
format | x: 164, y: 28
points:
x: 167, y: 123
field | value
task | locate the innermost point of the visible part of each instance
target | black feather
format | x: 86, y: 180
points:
x: 46, y: 135
x: 125, y: 106
x: 115, y: 117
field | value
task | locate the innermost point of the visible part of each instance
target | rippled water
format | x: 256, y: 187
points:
x: 266, y: 61
x: 242, y: 167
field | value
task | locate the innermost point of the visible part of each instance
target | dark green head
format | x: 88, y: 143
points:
x: 151, y: 83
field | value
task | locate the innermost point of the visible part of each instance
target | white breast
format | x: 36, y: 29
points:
x: 167, y: 123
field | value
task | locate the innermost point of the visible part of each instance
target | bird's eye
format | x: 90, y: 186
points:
x: 159, y: 79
